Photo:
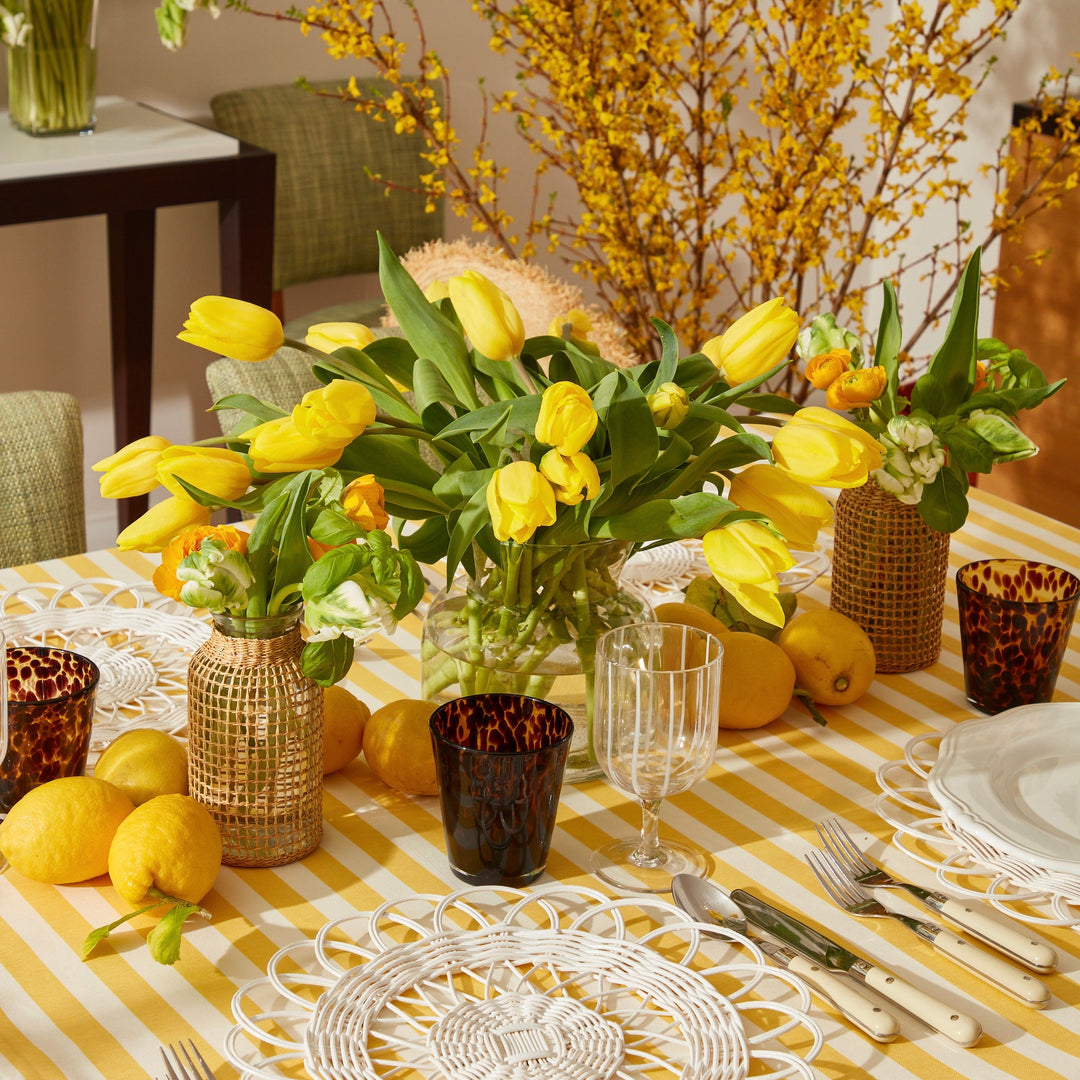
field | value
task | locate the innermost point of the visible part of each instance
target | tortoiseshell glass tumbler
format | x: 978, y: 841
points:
x: 1015, y: 620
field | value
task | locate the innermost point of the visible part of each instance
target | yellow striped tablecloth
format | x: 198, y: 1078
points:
x: 104, y: 1018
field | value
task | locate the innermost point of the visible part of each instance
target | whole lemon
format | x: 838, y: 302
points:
x: 345, y: 718
x: 170, y: 842
x: 397, y: 746
x: 690, y: 615
x: 60, y: 832
x: 757, y: 681
x: 143, y: 763
x: 833, y: 656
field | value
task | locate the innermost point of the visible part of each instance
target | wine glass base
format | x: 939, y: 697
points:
x: 612, y: 865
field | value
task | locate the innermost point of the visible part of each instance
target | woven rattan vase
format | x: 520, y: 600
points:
x: 889, y: 571
x: 255, y: 740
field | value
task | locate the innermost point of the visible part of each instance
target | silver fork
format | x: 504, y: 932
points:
x: 1010, y: 939
x: 186, y: 1069
x: 999, y: 973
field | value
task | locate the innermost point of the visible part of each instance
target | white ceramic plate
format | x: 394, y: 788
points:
x: 1013, y: 780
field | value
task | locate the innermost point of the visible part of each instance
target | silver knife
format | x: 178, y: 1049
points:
x: 950, y: 1022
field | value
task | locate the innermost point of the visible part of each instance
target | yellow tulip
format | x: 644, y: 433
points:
x: 818, y: 446
x: 745, y: 558
x: 363, y: 501
x: 825, y: 368
x: 161, y: 524
x: 488, y: 317
x: 574, y: 477
x: 328, y: 336
x: 233, y: 328
x: 567, y: 417
x: 856, y: 389
x: 519, y: 500
x: 213, y: 469
x: 335, y: 414
x: 796, y: 509
x: 669, y: 406
x: 278, y: 447
x: 755, y: 342
x: 436, y: 291
x: 132, y: 470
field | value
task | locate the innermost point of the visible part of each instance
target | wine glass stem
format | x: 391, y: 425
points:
x: 649, y: 852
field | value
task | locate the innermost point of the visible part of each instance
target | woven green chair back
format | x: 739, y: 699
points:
x: 282, y: 380
x: 328, y: 207
x: 42, y: 509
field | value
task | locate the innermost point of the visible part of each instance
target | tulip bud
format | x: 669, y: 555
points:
x: 279, y: 447
x: 488, y: 317
x: 329, y: 336
x: 755, y: 342
x: 213, y: 469
x: 233, y: 328
x: 567, y: 417
x: 1007, y: 441
x: 573, y: 477
x: 519, y: 501
x: 745, y: 558
x: 161, y: 524
x: 436, y: 291
x: 669, y: 406
x: 796, y: 509
x: 335, y: 414
x: 132, y: 470
x: 818, y: 446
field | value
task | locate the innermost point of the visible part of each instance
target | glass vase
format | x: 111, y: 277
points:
x: 52, y: 73
x: 255, y: 739
x: 526, y: 622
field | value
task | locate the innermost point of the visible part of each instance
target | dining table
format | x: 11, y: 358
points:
x: 755, y: 813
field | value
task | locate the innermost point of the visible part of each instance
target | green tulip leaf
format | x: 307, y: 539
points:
x: 887, y: 347
x: 669, y: 356
x: 672, y: 519
x: 632, y: 440
x: 429, y: 542
x: 570, y: 364
x: 470, y: 521
x: 293, y: 554
x: 520, y: 414
x: 388, y: 457
x: 259, y: 411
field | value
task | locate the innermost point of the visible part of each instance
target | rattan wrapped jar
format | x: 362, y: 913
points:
x: 889, y: 572
x: 255, y: 740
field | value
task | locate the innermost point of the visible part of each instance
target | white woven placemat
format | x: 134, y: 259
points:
x: 964, y: 864
x: 140, y: 640
x: 502, y: 984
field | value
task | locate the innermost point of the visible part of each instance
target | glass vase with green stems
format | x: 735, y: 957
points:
x: 52, y: 74
x: 525, y: 621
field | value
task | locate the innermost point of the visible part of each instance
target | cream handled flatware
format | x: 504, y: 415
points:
x: 942, y: 1017
x: 1002, y: 934
x: 708, y: 903
x: 993, y: 969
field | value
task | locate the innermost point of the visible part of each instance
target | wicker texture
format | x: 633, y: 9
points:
x: 327, y: 206
x: 255, y: 741
x: 41, y: 482
x: 889, y: 571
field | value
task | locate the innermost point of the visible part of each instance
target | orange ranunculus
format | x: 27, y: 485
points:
x: 981, y: 381
x: 825, y: 368
x: 187, y: 542
x: 856, y: 389
x: 364, y: 503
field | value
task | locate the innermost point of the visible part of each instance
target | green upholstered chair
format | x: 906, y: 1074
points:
x: 283, y: 380
x: 42, y: 512
x: 328, y: 207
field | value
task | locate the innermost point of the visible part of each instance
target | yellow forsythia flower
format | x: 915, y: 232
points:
x: 335, y: 414
x: 796, y: 509
x: 279, y: 447
x: 488, y: 317
x: 567, y: 417
x: 213, y: 469
x: 574, y: 477
x: 162, y: 523
x: 233, y: 328
x: 519, y: 500
x: 328, y: 336
x: 825, y: 368
x: 745, y: 558
x: 818, y: 446
x: 755, y: 342
x: 132, y: 470
x: 187, y: 542
x: 856, y: 389
x: 363, y: 501
x: 669, y: 406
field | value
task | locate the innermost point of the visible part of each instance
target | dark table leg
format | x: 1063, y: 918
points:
x: 246, y: 234
x: 131, y: 308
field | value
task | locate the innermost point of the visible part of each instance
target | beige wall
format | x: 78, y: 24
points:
x: 53, y: 276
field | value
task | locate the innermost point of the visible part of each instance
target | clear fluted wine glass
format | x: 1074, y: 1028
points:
x: 655, y: 726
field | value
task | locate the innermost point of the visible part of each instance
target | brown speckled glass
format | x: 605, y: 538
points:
x: 50, y: 713
x: 500, y: 761
x: 1015, y: 620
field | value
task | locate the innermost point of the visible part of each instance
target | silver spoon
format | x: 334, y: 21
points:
x: 708, y: 903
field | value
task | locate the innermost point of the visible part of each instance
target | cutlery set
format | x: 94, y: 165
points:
x: 848, y: 878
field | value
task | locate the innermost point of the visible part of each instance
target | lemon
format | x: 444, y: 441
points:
x: 60, y: 832
x: 143, y: 763
x: 690, y: 615
x: 833, y: 656
x: 757, y: 681
x: 170, y: 842
x: 345, y: 718
x: 397, y: 746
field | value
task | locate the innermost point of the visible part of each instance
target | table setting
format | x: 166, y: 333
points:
x: 603, y: 880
